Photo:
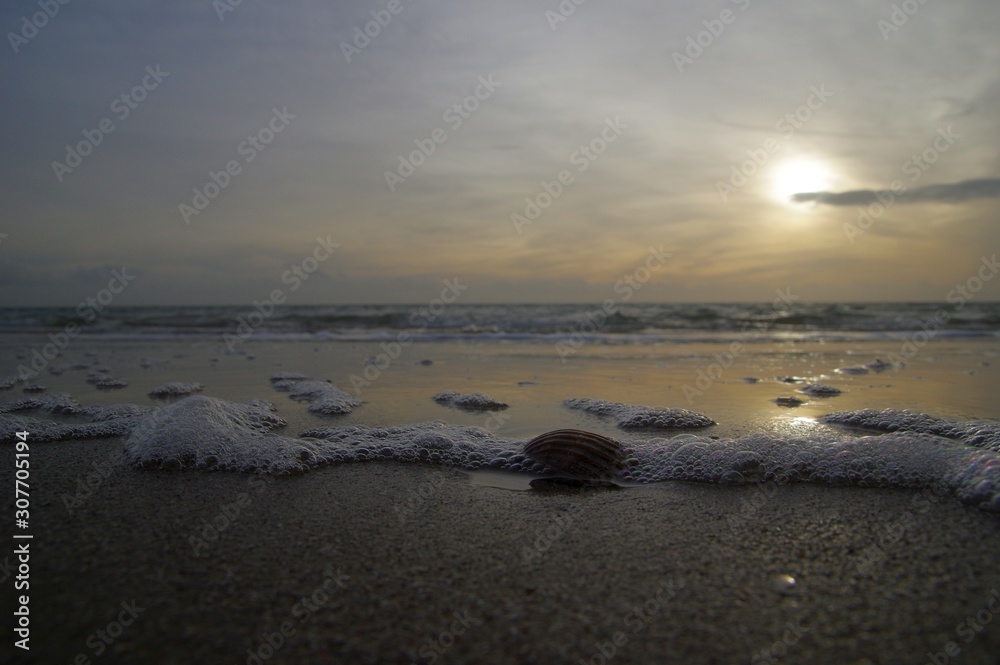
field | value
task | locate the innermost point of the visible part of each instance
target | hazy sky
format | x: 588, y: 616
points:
x: 686, y: 125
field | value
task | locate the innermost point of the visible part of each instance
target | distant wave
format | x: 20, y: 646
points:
x: 629, y: 323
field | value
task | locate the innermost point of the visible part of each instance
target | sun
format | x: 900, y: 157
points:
x: 800, y: 175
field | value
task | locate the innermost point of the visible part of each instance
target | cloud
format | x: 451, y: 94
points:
x: 956, y: 192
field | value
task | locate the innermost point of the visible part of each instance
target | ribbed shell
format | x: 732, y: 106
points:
x: 577, y: 453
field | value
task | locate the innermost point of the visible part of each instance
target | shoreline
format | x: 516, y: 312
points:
x: 382, y: 560
x: 949, y: 379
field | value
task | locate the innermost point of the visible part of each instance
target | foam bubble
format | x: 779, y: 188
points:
x: 973, y: 433
x: 100, y: 421
x: 55, y: 402
x: 899, y: 459
x: 175, y: 389
x: 8, y: 382
x: 200, y: 432
x: 323, y: 397
x: 469, y: 401
x: 962, y: 458
x: 819, y: 390
x: 101, y: 380
x: 47, y: 431
x: 282, y: 377
x: 631, y: 416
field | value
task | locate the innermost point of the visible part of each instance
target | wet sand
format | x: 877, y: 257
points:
x: 408, y: 563
x: 401, y: 564
x: 947, y: 378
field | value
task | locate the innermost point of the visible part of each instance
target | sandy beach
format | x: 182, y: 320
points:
x: 388, y: 563
x: 560, y: 333
x: 383, y: 562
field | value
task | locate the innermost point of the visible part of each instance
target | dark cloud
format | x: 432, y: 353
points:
x: 956, y: 192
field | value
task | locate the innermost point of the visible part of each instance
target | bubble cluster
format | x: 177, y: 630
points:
x: 63, y: 404
x: 55, y: 402
x: 914, y: 450
x: 979, y: 434
x: 46, y: 431
x: 819, y: 390
x: 637, y: 417
x: 99, y: 422
x: 469, y: 401
x: 104, y: 381
x: 201, y: 432
x: 323, y: 397
x: 9, y: 381
x: 288, y: 376
x: 175, y: 389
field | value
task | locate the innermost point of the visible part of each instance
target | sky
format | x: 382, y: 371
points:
x: 533, y: 151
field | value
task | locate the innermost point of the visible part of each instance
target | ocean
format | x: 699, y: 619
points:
x: 608, y: 322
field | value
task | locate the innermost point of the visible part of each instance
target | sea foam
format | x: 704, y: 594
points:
x: 469, y: 401
x: 638, y: 417
x: 323, y: 397
x: 200, y: 432
x: 911, y: 450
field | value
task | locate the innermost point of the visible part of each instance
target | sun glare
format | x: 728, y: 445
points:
x: 800, y: 175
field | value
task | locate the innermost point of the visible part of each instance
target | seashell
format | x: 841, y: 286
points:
x: 578, y: 453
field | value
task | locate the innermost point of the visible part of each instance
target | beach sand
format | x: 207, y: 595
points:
x: 412, y: 563
x: 398, y: 560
